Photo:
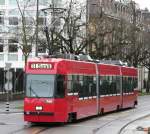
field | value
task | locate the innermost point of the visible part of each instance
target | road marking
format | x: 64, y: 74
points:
x: 83, y: 126
x: 9, y: 113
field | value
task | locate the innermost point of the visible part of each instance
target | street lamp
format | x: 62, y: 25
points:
x: 46, y: 31
x: 54, y: 10
x: 37, y: 23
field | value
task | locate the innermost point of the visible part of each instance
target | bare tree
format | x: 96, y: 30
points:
x: 51, y: 41
x: 145, y: 57
x: 73, y: 32
x: 134, y: 48
x: 117, y: 38
x: 103, y: 31
x: 25, y: 32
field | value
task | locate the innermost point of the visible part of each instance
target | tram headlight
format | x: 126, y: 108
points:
x: 39, y: 108
x: 49, y: 101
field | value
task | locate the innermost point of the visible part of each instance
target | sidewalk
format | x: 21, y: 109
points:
x: 17, y: 107
x: 14, y: 106
x: 139, y: 127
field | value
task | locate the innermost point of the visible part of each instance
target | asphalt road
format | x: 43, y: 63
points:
x: 107, y: 124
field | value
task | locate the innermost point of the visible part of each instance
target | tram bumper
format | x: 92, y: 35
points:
x: 38, y: 110
x: 39, y: 116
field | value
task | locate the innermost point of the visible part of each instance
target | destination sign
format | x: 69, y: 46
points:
x: 41, y: 66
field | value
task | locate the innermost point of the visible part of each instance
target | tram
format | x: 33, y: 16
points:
x: 64, y: 90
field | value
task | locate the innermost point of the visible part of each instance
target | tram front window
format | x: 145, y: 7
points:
x: 40, y: 86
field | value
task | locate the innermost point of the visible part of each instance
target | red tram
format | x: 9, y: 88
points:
x: 62, y: 90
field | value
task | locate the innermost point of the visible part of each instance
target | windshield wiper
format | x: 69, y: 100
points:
x: 31, y: 89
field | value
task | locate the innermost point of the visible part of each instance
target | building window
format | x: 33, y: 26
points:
x: 1, y: 48
x: 41, y: 20
x: 13, y: 48
x: 2, y: 2
x: 13, y: 21
x: 13, y: 45
x: 12, y: 57
x: 1, y: 17
x: 12, y: 41
x: 1, y: 20
x: 1, y: 41
x: 30, y: 13
x: 13, y: 2
x: 1, y: 45
x: 1, y: 57
x: 43, y: 2
x: 14, y: 12
x: 28, y: 2
x: 41, y: 49
x: 27, y: 49
x: 29, y: 21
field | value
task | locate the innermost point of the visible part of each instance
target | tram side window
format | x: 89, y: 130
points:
x: 60, y: 91
x: 101, y: 91
x: 135, y: 83
x: 91, y: 86
x: 130, y: 89
x: 118, y: 84
x: 104, y: 85
x: 108, y: 85
x: 127, y: 84
x: 113, y: 85
x: 87, y: 86
x: 75, y: 83
x: 81, y: 93
x: 69, y: 84
x: 94, y: 86
x: 109, y: 79
x: 124, y: 84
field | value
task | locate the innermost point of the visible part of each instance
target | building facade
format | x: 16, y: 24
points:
x: 10, y: 52
x: 132, y: 16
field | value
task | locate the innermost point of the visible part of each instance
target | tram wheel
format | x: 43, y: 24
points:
x: 72, y: 117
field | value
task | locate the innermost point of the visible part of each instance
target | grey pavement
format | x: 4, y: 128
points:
x: 14, y: 106
x: 17, y: 107
x: 143, y: 124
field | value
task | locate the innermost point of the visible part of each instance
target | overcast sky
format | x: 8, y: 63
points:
x: 143, y: 3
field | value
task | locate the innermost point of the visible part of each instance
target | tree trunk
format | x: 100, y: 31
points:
x: 48, y: 41
x: 148, y: 82
x: 25, y: 61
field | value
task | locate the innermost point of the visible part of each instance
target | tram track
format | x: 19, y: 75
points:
x: 30, y: 129
x: 113, y: 117
x: 40, y: 129
x: 129, y: 123
x: 104, y: 125
x: 118, y: 118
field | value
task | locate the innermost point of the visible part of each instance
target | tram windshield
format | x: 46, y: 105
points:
x: 40, y: 85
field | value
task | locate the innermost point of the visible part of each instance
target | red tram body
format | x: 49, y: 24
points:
x: 61, y: 90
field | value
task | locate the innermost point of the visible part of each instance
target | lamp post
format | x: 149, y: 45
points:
x: 8, y: 84
x: 54, y: 10
x: 47, y: 32
x: 37, y: 28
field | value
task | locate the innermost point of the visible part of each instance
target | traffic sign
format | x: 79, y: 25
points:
x: 8, y: 65
x: 8, y: 86
x: 9, y: 75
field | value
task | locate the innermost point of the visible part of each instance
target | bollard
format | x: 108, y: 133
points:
x: 145, y: 129
x: 149, y: 130
x: 7, y: 106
